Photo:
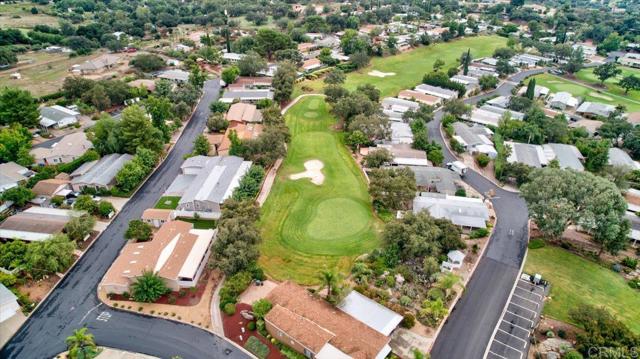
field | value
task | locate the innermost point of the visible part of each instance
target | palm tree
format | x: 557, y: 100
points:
x: 328, y: 279
x: 81, y: 345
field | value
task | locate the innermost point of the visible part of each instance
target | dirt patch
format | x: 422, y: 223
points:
x: 377, y: 73
x: 313, y: 172
x: 235, y: 328
x: 37, y: 290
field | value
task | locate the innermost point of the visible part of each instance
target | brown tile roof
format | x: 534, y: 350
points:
x: 303, y: 330
x: 305, y: 46
x: 155, y: 213
x: 350, y: 335
x: 310, y: 63
x: 48, y: 187
x: 245, y: 131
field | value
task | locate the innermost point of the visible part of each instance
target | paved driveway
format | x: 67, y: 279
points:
x: 74, y: 303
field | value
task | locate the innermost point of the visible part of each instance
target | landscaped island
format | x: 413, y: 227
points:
x: 309, y: 227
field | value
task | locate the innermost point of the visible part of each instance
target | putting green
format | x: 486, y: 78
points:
x: 306, y: 227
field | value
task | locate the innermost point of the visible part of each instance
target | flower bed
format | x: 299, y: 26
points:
x: 235, y: 328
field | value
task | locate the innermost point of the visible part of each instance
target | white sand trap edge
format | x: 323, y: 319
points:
x: 313, y: 171
x: 377, y: 73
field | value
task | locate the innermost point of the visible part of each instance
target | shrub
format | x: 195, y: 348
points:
x: 483, y: 160
x: 229, y: 309
x: 573, y: 355
x: 261, y: 307
x: 232, y: 288
x: 251, y: 326
x: 634, y: 283
x: 630, y: 262
x: 172, y: 299
x: 550, y: 334
x: 405, y: 301
x: 258, y: 348
x: 408, y: 321
x: 536, y: 243
x: 479, y: 233
x: 562, y: 334
x: 461, y: 192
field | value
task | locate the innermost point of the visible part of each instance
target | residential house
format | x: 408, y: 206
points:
x: 99, y: 174
x: 12, y: 175
x: 311, y: 65
x: 436, y: 179
x: 618, y: 157
x: 101, y: 63
x: 244, y: 131
x: 568, y: 156
x: 443, y: 93
x: 420, y: 97
x: 469, y: 82
x: 514, y: 115
x: 148, y: 85
x: 528, y: 60
x: 595, y: 109
x: 250, y: 96
x: 67, y: 149
x: 232, y: 57
x: 8, y: 304
x: 399, y: 105
x: 316, y: 329
x: 500, y: 101
x: 475, y: 139
x: 157, y: 217
x: 205, y: 183
x: 36, y: 223
x: 630, y: 59
x: 563, y: 101
x: 539, y: 156
x: 404, y: 155
x: 57, y: 116
x: 592, y: 126
x: 178, y: 254
x: 174, y: 75
x: 49, y: 188
x: 376, y: 316
x: 251, y: 83
x: 588, y: 50
x: 484, y: 117
x: 465, y: 212
x: 538, y: 91
x: 401, y: 133
x: 243, y: 112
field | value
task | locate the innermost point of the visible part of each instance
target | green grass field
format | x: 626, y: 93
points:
x: 19, y: 15
x: 612, y: 83
x: 410, y: 66
x: 556, y: 84
x: 306, y: 227
x: 575, y: 280
x: 168, y: 202
x: 200, y: 223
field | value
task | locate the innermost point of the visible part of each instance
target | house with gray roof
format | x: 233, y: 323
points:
x: 539, y: 91
x: 249, y: 96
x: 174, y: 75
x: 8, y: 304
x: 232, y: 57
x: 465, y: 212
x: 205, y: 183
x: 436, y: 179
x: 399, y: 105
x: 528, y: 154
x: 515, y: 115
x: 568, y: 156
x: 99, y: 174
x: 57, y: 116
x: 12, y: 174
x: 469, y: 82
x: 443, y: 93
x: 595, y: 109
x: 500, y: 101
x: 538, y: 156
x: 618, y: 157
x: 563, y: 101
x: 474, y: 139
x: 401, y: 132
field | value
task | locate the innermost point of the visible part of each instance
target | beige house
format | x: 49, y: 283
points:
x: 157, y: 217
x: 243, y: 112
x: 177, y: 253
x: 66, y: 150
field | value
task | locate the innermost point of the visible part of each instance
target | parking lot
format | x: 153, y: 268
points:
x: 511, y: 339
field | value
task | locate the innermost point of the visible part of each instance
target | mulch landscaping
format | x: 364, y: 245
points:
x: 233, y: 329
x: 184, y: 297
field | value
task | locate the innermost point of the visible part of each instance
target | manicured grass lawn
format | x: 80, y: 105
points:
x: 168, y: 202
x: 556, y: 84
x: 410, y: 66
x: 575, y: 280
x: 200, y: 223
x: 258, y: 348
x: 306, y: 227
x: 612, y: 83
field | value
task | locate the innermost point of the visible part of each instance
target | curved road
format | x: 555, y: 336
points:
x: 74, y: 302
x: 468, y: 329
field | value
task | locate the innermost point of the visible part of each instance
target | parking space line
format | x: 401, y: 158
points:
x: 531, y: 285
x: 519, y: 316
x: 529, y: 292
x: 524, y: 342
x: 525, y: 308
x: 498, y: 355
x: 517, y: 326
x: 528, y: 300
x: 508, y: 346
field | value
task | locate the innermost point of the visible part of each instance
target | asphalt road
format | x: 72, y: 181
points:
x: 74, y: 303
x: 468, y: 329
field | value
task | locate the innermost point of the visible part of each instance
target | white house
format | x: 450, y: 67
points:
x: 58, y: 116
x: 8, y: 304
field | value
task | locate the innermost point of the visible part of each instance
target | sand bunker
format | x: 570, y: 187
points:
x: 313, y: 171
x: 377, y: 73
x: 601, y: 96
